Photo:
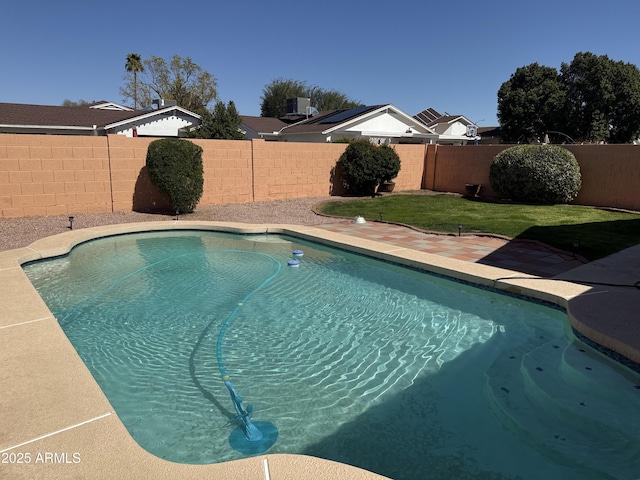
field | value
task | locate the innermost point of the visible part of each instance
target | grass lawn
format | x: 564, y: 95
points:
x: 596, y: 232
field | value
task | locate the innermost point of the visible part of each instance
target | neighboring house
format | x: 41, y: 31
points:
x: 451, y: 129
x: 99, y: 118
x: 259, y: 127
x: 490, y: 135
x: 381, y: 124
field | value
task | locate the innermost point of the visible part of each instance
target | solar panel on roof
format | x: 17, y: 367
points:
x: 344, y: 115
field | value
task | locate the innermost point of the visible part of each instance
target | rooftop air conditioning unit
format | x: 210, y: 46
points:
x: 164, y: 103
x: 298, y: 106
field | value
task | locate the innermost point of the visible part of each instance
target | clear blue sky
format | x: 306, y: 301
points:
x: 452, y: 56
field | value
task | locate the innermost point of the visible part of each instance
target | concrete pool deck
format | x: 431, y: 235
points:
x: 57, y: 422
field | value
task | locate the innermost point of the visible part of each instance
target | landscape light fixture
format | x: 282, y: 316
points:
x: 177, y: 214
x: 71, y: 223
x: 380, y: 216
x: 459, y: 228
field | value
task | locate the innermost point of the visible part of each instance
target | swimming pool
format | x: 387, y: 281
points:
x: 399, y: 372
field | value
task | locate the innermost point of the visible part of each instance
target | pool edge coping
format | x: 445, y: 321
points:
x: 32, y: 319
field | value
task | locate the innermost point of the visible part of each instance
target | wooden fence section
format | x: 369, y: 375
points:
x: 56, y: 175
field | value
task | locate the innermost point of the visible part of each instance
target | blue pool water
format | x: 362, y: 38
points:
x: 396, y: 371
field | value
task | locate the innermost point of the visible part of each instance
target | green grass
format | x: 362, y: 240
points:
x: 598, y: 232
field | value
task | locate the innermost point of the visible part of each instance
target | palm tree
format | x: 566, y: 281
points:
x: 134, y: 64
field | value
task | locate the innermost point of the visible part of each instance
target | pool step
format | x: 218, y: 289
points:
x: 562, y: 385
x: 529, y: 393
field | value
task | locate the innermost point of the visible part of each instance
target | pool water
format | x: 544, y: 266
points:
x: 403, y: 373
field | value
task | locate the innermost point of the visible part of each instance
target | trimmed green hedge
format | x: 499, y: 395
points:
x: 542, y: 174
x: 175, y: 167
x: 363, y: 166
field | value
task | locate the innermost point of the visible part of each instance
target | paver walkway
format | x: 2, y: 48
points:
x: 519, y: 255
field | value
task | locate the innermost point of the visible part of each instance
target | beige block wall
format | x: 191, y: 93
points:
x: 64, y: 175
x: 53, y: 175
x: 610, y: 173
x: 452, y: 167
x: 293, y: 170
x: 227, y: 171
x: 412, y: 166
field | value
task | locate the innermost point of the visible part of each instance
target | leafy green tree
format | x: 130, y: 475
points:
x: 325, y: 100
x: 275, y: 95
x: 603, y: 99
x: 71, y: 103
x: 530, y: 104
x: 592, y: 99
x: 181, y: 80
x: 223, y: 122
x: 134, y: 65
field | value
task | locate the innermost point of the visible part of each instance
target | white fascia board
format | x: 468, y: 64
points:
x: 462, y: 119
x: 154, y: 113
x: 51, y: 127
x: 399, y: 135
x: 455, y: 137
x: 111, y: 106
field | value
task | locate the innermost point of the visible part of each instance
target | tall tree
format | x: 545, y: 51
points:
x: 530, y: 104
x: 332, y: 100
x: 592, y: 99
x: 134, y: 65
x: 223, y: 122
x: 72, y: 103
x: 275, y: 95
x: 181, y: 80
x: 603, y: 99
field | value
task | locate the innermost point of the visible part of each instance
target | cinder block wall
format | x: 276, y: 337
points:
x: 53, y: 175
x: 610, y: 173
x: 60, y: 175
x: 294, y: 170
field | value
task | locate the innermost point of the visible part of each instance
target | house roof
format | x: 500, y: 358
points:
x: 327, y: 121
x: 97, y: 115
x: 431, y: 118
x: 263, y: 124
x: 13, y: 114
x: 427, y: 116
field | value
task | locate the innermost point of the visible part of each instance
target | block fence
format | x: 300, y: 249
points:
x: 610, y: 173
x: 65, y: 175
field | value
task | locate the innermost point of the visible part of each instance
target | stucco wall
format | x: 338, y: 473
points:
x: 63, y: 175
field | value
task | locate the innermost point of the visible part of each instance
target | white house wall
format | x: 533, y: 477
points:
x: 166, y: 126
x: 456, y: 128
x: 384, y: 122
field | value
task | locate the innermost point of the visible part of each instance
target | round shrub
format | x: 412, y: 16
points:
x: 175, y: 167
x: 544, y: 174
x: 363, y: 166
